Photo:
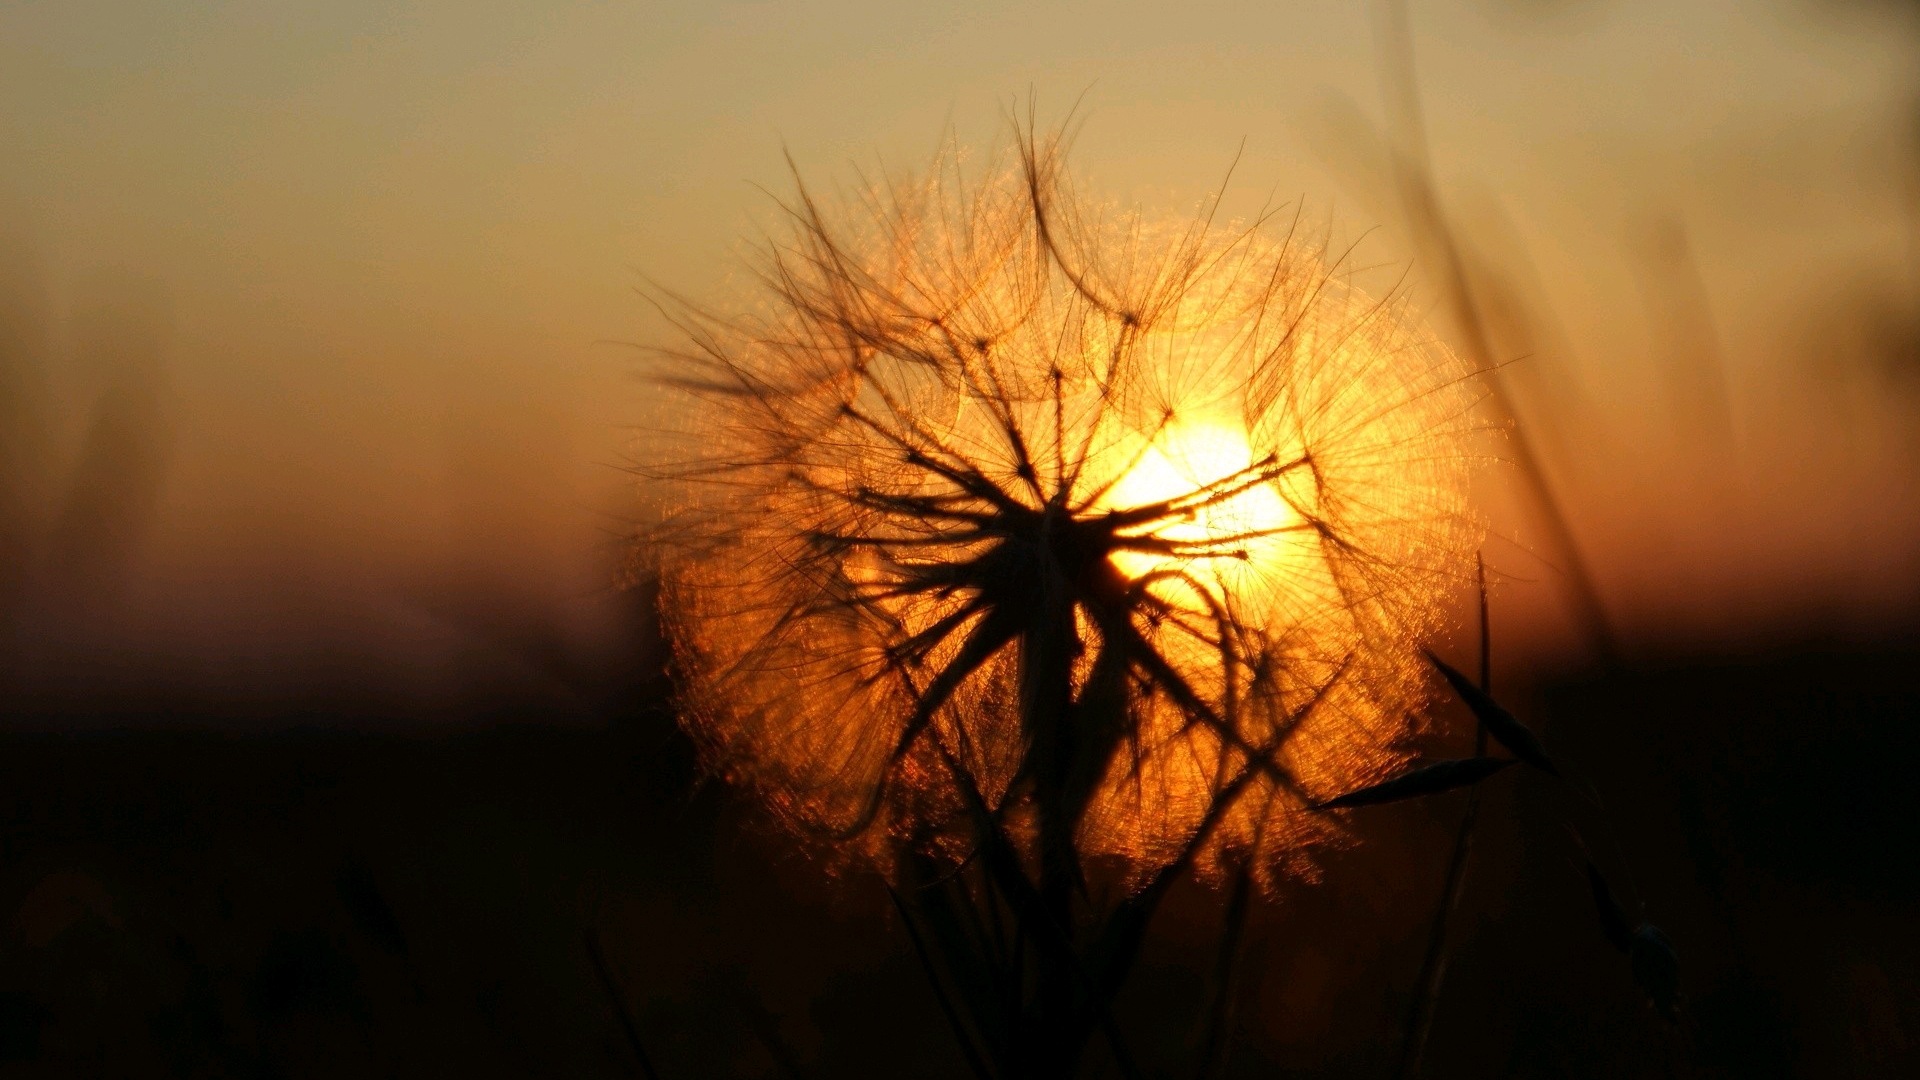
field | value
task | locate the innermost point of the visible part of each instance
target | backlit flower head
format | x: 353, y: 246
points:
x: 997, y: 501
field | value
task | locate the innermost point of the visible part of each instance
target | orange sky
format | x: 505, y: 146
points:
x: 352, y: 268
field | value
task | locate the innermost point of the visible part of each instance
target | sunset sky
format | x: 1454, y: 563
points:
x: 364, y: 268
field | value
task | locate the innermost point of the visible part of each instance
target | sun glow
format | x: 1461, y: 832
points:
x: 1128, y: 530
x: 1229, y: 543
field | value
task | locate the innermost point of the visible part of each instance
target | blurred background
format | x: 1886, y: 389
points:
x: 327, y: 734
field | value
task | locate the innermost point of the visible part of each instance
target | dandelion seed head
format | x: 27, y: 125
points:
x: 976, y: 425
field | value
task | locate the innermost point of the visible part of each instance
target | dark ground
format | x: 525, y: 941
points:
x: 352, y: 905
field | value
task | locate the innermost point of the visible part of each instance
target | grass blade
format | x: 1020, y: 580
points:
x: 1501, y: 724
x: 1425, y: 780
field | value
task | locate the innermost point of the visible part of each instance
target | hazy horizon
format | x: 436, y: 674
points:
x: 310, y: 316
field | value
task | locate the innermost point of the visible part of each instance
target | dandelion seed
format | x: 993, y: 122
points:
x: 1133, y: 530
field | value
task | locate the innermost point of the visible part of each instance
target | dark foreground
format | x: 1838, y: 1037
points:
x: 315, y: 904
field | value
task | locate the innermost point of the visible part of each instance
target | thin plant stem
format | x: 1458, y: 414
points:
x: 967, y: 1049
x: 1433, y: 965
x: 1213, y: 1050
x: 612, y: 989
x: 1413, y: 169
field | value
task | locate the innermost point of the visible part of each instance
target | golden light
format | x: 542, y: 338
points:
x: 987, y: 470
x: 1251, y: 528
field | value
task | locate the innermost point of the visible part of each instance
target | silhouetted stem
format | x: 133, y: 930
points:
x: 1213, y: 1050
x: 1046, y: 696
x: 1414, y: 171
x: 1433, y: 966
x: 619, y: 1003
x: 960, y: 1034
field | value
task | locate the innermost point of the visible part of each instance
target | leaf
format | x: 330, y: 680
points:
x: 1656, y: 967
x: 1500, y: 723
x: 1425, y: 780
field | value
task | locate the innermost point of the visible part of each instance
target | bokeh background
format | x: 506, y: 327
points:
x: 327, y: 733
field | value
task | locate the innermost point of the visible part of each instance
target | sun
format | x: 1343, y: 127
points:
x: 1244, y: 537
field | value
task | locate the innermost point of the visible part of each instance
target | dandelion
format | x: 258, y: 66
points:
x: 1012, y: 526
